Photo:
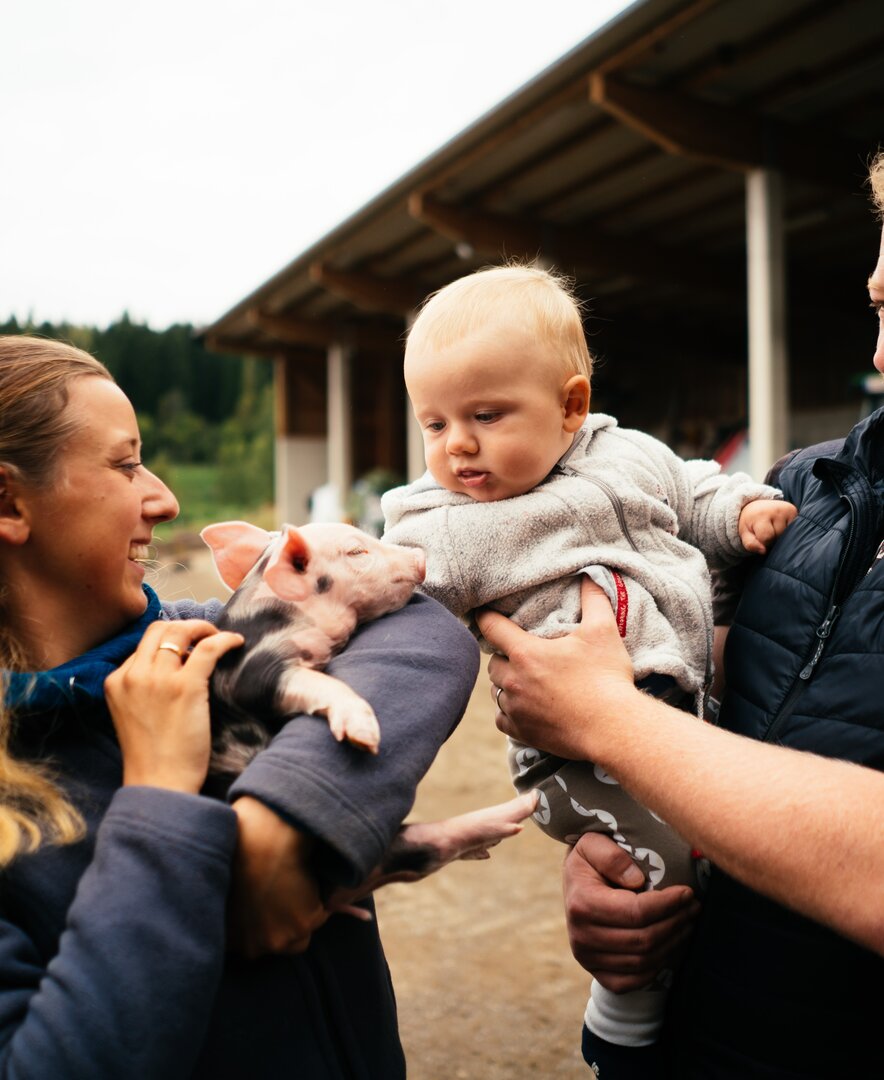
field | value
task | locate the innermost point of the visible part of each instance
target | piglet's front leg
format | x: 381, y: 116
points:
x: 421, y: 849
x: 349, y: 716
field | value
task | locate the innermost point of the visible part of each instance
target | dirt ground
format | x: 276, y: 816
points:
x: 486, y: 984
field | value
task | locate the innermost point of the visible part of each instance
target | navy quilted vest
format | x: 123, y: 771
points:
x: 764, y: 992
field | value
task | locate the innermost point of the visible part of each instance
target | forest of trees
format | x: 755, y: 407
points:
x: 206, y: 419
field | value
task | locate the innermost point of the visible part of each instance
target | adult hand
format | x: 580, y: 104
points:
x: 159, y: 702
x: 547, y: 685
x: 275, y: 904
x: 624, y: 938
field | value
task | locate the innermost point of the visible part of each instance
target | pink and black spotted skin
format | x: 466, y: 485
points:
x: 299, y: 594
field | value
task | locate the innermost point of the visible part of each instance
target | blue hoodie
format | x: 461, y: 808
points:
x: 112, y: 950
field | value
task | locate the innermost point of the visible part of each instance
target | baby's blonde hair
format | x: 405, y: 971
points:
x: 539, y: 301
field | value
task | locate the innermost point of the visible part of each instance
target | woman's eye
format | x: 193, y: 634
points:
x: 130, y: 466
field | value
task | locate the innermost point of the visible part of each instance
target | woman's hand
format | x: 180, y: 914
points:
x: 623, y: 937
x: 274, y: 902
x: 548, y: 686
x: 159, y: 702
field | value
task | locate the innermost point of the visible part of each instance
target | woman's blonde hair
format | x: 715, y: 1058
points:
x: 35, y: 377
x: 539, y: 301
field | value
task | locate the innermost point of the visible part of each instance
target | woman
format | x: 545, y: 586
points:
x: 117, y: 872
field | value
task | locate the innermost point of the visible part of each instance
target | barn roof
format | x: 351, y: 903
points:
x: 623, y: 165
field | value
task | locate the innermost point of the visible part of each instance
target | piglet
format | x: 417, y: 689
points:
x: 299, y: 595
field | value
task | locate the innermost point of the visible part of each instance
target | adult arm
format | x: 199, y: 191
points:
x: 417, y: 668
x: 131, y: 986
x: 713, y: 787
x: 309, y: 808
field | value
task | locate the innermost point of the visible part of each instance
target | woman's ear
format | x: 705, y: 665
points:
x: 14, y: 526
x: 575, y: 402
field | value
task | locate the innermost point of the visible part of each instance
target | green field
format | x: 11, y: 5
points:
x: 200, y: 493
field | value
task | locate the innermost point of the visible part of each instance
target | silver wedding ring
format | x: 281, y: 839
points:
x: 172, y: 647
x: 497, y: 700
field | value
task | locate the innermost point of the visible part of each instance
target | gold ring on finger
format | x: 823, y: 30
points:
x: 172, y: 647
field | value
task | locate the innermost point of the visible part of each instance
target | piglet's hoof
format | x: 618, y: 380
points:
x: 357, y: 724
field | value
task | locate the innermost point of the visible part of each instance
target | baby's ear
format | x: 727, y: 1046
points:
x: 575, y: 402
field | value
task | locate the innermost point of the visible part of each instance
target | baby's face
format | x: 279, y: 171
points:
x: 492, y: 411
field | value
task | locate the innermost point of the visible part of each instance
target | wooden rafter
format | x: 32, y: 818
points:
x: 726, y: 136
x: 395, y: 296
x: 581, y: 247
x: 319, y: 333
x: 223, y: 343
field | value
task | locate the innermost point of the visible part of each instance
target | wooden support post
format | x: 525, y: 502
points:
x: 414, y: 440
x: 768, y: 358
x: 340, y: 456
x: 300, y: 456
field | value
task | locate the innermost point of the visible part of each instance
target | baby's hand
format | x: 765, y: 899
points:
x: 762, y: 521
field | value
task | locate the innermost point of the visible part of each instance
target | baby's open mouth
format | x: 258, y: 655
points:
x: 471, y: 476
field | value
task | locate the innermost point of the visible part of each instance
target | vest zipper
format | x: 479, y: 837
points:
x: 822, y: 632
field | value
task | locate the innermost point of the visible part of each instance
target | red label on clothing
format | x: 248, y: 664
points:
x: 622, y: 603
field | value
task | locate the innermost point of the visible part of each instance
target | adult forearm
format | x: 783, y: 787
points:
x: 417, y: 668
x: 805, y: 830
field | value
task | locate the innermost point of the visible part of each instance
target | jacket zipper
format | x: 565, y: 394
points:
x: 615, y: 502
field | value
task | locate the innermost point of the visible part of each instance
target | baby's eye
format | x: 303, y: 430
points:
x: 435, y: 425
x: 487, y: 417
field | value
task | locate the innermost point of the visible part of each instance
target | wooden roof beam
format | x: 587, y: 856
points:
x: 319, y: 333
x: 583, y: 247
x: 221, y: 343
x: 729, y: 137
x: 395, y: 296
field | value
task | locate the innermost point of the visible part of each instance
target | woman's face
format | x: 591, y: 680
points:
x: 90, y: 527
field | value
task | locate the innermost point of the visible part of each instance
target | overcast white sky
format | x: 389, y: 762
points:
x: 167, y: 158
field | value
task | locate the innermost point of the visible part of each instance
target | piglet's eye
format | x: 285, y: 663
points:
x: 358, y: 551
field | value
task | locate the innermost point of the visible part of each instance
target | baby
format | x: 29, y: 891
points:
x: 525, y: 492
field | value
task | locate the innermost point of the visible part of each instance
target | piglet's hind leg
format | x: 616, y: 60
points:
x: 349, y: 716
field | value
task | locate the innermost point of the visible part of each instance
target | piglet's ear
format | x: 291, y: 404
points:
x: 236, y: 547
x: 286, y: 572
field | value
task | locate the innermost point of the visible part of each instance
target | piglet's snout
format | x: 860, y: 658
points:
x: 407, y: 563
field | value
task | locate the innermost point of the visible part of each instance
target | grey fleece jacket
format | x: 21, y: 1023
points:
x: 618, y: 500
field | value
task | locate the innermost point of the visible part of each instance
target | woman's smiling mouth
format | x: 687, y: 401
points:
x: 139, y: 552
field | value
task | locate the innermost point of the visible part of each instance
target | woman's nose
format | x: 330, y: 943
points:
x: 159, y: 502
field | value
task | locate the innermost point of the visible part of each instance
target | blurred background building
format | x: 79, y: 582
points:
x: 698, y: 166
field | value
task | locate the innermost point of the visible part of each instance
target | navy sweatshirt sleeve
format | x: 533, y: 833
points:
x: 417, y: 668
x: 130, y: 990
